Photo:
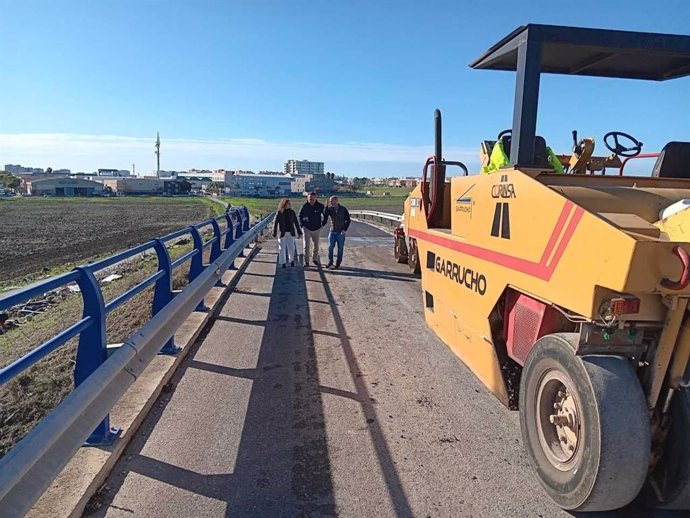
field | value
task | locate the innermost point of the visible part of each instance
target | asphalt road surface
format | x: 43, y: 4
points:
x: 322, y: 393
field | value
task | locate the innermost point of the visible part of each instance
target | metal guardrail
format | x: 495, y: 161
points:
x: 100, y: 381
x: 373, y: 214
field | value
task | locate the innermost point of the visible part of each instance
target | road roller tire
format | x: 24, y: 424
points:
x: 669, y: 484
x: 400, y: 250
x: 584, y: 425
x: 413, y: 258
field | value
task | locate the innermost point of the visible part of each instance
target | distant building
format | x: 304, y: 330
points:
x: 199, y: 183
x: 221, y: 176
x: 133, y: 185
x: 27, y: 178
x: 175, y: 187
x: 410, y: 183
x: 63, y: 186
x: 300, y: 182
x: 114, y: 172
x: 303, y: 167
x: 87, y: 176
x: 259, y: 185
x: 321, y: 183
x: 200, y: 180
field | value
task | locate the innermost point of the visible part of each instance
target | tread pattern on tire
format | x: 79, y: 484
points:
x: 614, y: 398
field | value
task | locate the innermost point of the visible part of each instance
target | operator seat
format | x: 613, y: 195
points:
x: 673, y: 161
x: 541, y: 156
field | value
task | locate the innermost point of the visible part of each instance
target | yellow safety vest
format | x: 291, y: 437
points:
x: 499, y: 159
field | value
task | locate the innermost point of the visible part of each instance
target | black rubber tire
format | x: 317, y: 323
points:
x: 413, y: 258
x: 401, y: 250
x: 614, y: 426
x: 672, y: 472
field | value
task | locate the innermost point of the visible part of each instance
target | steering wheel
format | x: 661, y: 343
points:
x: 618, y: 149
x: 504, y: 133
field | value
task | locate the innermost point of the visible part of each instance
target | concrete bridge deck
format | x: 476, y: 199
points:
x: 328, y: 396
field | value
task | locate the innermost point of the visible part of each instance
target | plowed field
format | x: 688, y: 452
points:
x: 38, y: 235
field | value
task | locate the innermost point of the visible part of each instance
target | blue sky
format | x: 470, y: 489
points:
x: 250, y: 84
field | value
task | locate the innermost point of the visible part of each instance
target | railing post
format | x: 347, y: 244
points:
x: 230, y: 237
x: 247, y: 218
x: 92, y: 350
x: 163, y: 293
x: 240, y: 226
x: 240, y: 229
x: 197, y: 264
x: 215, y: 247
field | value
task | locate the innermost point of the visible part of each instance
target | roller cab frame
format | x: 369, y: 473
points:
x: 566, y: 293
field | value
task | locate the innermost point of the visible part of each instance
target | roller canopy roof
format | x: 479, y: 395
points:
x: 594, y: 52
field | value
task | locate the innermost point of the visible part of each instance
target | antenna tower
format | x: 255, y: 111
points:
x: 158, y: 155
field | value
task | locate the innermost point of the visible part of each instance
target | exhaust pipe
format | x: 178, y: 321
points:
x: 438, y: 178
x: 438, y: 155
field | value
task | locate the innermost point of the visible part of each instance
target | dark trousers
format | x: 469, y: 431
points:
x: 333, y: 238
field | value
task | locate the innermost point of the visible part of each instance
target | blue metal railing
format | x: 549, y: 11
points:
x: 32, y: 464
x: 91, y: 328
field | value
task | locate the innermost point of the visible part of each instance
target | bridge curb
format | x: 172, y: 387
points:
x: 83, y: 476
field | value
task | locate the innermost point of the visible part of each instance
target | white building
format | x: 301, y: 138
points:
x: 303, y: 167
x: 221, y: 176
x: 114, y: 173
x: 259, y: 185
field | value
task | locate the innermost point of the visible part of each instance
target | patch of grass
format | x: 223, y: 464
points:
x: 392, y: 204
x: 378, y: 190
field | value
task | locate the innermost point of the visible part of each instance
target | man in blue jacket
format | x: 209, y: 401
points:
x: 311, y: 221
x: 340, y: 222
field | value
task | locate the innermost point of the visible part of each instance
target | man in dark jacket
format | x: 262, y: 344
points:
x: 311, y: 221
x: 340, y: 222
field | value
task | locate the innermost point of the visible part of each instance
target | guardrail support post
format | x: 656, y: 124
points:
x: 162, y: 293
x: 197, y: 263
x: 215, y: 247
x: 91, y: 350
x: 247, y: 218
x: 230, y: 237
x: 240, y: 228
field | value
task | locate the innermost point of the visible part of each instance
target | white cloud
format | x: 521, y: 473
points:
x: 89, y: 152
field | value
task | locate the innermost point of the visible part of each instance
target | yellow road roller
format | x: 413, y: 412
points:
x: 563, y: 282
